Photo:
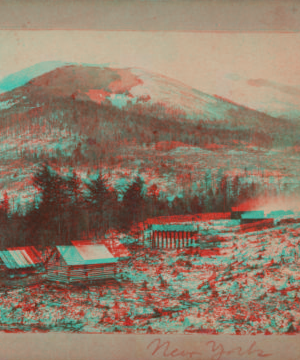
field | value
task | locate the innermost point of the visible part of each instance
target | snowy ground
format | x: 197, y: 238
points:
x: 248, y: 284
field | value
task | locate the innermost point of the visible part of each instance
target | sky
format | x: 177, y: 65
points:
x: 259, y: 69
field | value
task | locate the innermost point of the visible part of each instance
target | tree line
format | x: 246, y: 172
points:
x: 108, y: 129
x: 67, y: 208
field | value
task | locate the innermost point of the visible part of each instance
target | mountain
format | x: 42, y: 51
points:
x: 97, y: 83
x: 132, y: 121
x: 22, y: 77
x: 135, y: 91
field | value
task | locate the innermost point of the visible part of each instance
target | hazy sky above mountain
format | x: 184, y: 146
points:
x: 260, y: 70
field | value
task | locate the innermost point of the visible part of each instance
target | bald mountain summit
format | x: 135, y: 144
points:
x: 122, y: 87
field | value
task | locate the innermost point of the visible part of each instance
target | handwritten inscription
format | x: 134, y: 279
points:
x: 217, y: 350
x: 165, y: 350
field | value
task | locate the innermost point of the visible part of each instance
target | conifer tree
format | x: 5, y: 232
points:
x: 4, y: 219
x: 178, y: 206
x: 74, y: 203
x: 5, y: 204
x: 235, y: 190
x: 98, y: 192
x: 195, y: 205
x: 42, y: 180
x: 74, y: 185
x: 152, y: 203
x: 133, y: 203
x: 97, y: 200
x: 54, y: 199
x: 224, y: 192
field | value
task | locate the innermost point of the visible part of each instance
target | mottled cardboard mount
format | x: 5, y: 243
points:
x: 147, y: 15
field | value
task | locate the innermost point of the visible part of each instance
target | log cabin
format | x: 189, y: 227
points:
x: 84, y: 262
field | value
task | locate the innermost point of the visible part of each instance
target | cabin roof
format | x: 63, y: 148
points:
x: 174, y: 227
x: 253, y: 215
x: 86, y: 254
x: 114, y: 246
x: 178, y: 219
x: 22, y: 257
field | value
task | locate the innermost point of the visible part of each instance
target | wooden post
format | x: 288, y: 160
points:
x: 86, y: 273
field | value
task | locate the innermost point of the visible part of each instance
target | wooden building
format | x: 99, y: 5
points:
x: 172, y: 239
x: 178, y: 231
x: 185, y: 219
x: 257, y: 225
x: 84, y: 262
x: 173, y: 236
x: 246, y: 214
x: 21, y: 266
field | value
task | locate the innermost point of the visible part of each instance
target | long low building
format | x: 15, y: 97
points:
x: 84, y: 262
x: 176, y: 232
x: 181, y: 219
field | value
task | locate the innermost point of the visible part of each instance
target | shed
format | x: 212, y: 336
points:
x: 252, y: 217
x: 20, y: 259
x: 83, y: 262
x: 21, y: 266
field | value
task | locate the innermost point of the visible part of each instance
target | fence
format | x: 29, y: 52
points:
x: 172, y: 239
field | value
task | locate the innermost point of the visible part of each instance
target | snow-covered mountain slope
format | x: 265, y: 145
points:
x: 102, y: 83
